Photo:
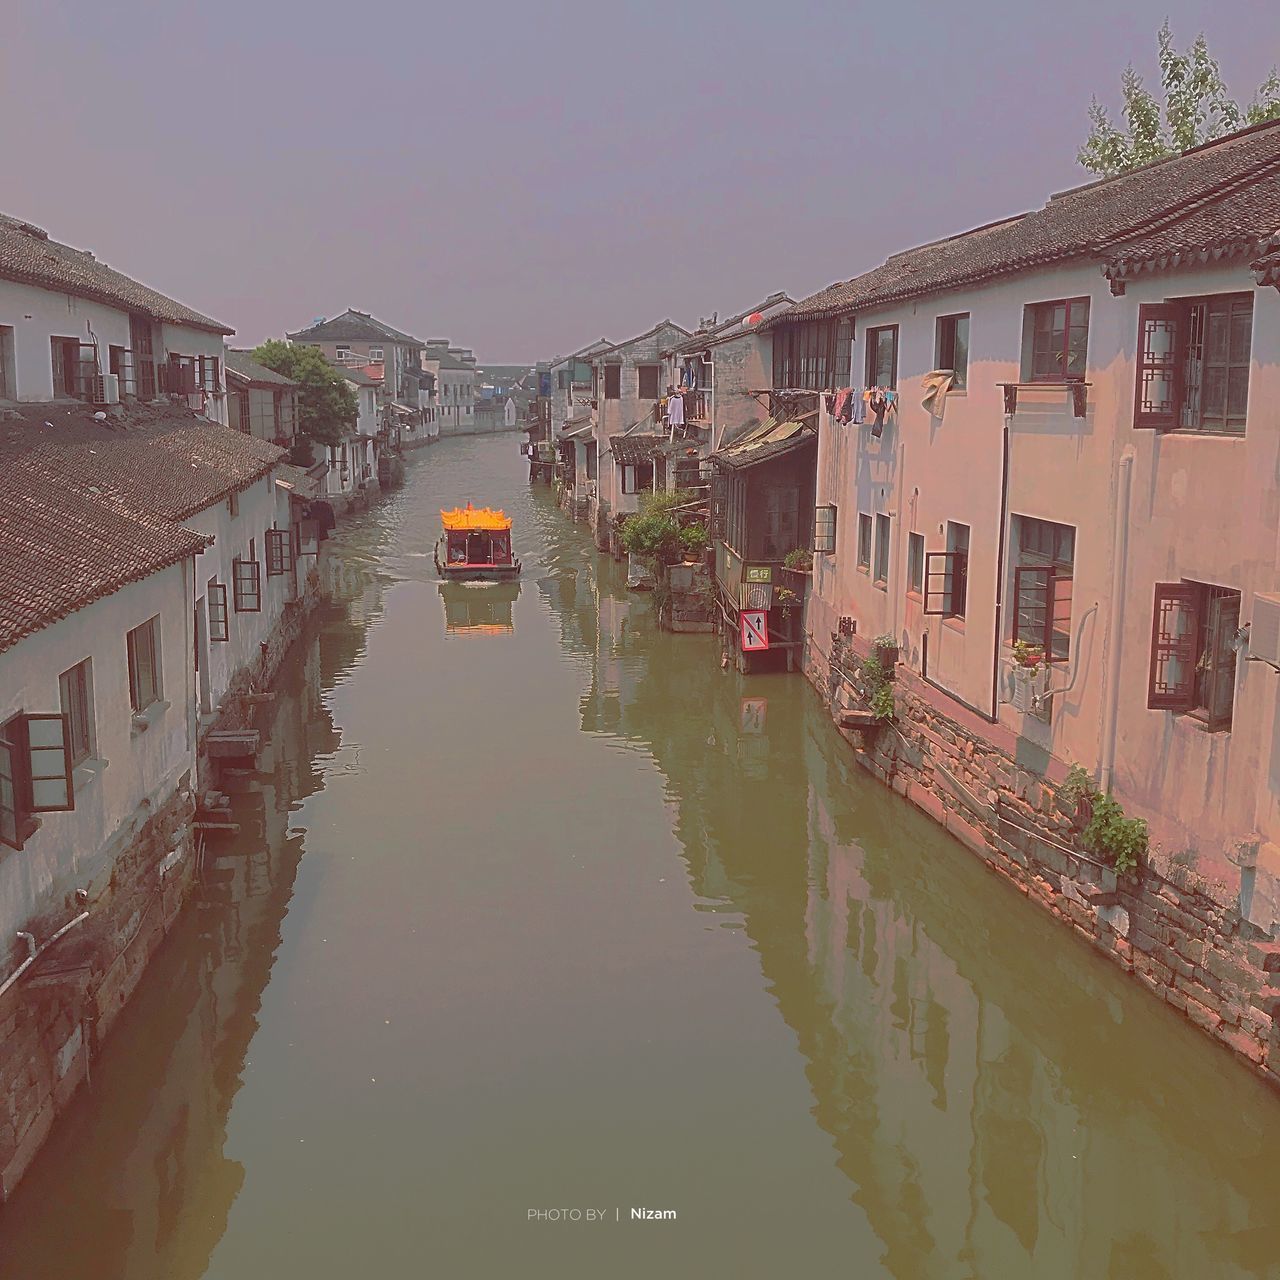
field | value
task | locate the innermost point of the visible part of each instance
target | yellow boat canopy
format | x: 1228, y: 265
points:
x: 470, y: 517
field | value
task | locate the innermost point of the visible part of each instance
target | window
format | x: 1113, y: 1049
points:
x: 1193, y: 653
x: 864, y: 540
x: 824, y: 529
x: 915, y: 563
x: 210, y: 374
x: 591, y: 459
x: 279, y: 553
x: 781, y: 522
x: 75, y: 688
x: 1055, y: 338
x: 342, y: 350
x: 233, y: 505
x: 952, y: 349
x: 67, y: 367
x: 809, y: 356
x: 613, y: 382
x: 638, y: 478
x: 648, y: 375
x: 7, y: 389
x: 881, y: 573
x: 946, y: 575
x: 375, y: 353
x: 882, y: 356
x: 219, y: 620
x: 246, y: 584
x: 181, y: 375
x: 1193, y: 364
x: 35, y: 773
x: 1043, y: 572
x: 143, y: 644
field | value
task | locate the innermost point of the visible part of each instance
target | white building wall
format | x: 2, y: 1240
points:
x: 129, y: 765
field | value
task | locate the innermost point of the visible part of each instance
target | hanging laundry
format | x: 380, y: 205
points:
x: 936, y: 385
x: 844, y: 404
x: 830, y: 401
x: 675, y: 411
x: 857, y: 408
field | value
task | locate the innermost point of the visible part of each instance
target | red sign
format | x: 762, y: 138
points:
x: 755, y: 630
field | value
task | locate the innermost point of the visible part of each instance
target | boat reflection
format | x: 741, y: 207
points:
x: 479, y: 608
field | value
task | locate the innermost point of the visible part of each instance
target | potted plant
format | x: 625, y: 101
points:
x: 798, y: 560
x: 1027, y: 655
x: 693, y: 542
x: 885, y: 648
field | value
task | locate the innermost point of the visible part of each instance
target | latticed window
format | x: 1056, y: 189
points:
x: 219, y: 619
x: 1193, y: 651
x: 824, y: 529
x: 811, y: 356
x: 246, y: 582
x: 946, y: 575
x: 1193, y: 364
x: 279, y: 553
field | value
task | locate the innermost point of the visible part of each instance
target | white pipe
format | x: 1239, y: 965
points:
x: 36, y: 952
x: 1111, y: 697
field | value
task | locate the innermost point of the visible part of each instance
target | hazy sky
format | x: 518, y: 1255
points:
x: 524, y: 177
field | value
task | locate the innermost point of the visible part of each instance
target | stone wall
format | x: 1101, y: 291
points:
x: 55, y: 1016
x: 686, y: 599
x: 1197, y: 955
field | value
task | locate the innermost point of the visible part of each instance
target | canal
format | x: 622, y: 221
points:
x: 536, y: 908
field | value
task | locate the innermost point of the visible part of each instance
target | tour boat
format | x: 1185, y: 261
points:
x: 475, y: 546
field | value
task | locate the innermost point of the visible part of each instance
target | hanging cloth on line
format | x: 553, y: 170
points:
x: 675, y: 411
x: 936, y: 385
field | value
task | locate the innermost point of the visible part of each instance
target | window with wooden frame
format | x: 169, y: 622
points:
x: 143, y: 646
x: 1055, y: 340
x: 279, y: 553
x: 781, y: 522
x: 647, y: 380
x: 951, y: 349
x: 637, y: 478
x: 824, y: 529
x: 219, y: 617
x: 864, y: 540
x: 1043, y: 562
x: 35, y: 773
x: 811, y: 355
x: 210, y: 374
x: 246, y: 585
x: 915, y: 563
x: 882, y: 356
x: 880, y: 571
x: 613, y: 382
x: 719, y: 504
x: 181, y: 377
x: 75, y: 689
x: 946, y: 575
x: 74, y: 364
x: 1193, y: 363
x: 1193, y: 651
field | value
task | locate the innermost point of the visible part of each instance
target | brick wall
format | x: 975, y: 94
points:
x: 1195, y: 954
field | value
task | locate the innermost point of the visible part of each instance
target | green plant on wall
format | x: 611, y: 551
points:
x: 882, y: 703
x: 693, y: 539
x: 800, y: 559
x: 1121, y: 841
x: 1076, y: 786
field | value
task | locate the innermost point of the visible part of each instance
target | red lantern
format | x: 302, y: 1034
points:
x: 755, y: 317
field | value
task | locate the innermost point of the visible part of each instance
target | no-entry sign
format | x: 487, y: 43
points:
x: 755, y: 630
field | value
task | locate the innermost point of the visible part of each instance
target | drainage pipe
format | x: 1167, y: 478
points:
x: 1120, y: 559
x: 34, y: 952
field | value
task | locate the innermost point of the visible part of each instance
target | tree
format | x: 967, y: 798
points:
x: 1197, y: 109
x: 327, y: 405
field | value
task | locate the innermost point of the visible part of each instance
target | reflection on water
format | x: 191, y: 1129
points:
x: 479, y: 608
x: 643, y: 934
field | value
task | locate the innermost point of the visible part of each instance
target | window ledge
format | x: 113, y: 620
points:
x: 954, y: 624
x: 916, y: 597
x: 1194, y: 722
x: 1192, y: 434
x: 85, y: 774
x: 143, y: 720
x: 862, y: 568
x: 880, y: 584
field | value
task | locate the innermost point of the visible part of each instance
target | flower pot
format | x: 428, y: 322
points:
x: 887, y: 656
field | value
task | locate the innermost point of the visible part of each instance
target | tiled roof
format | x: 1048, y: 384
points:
x: 733, y: 326
x: 89, y: 506
x: 765, y: 443
x: 1215, y: 194
x: 640, y: 337
x: 357, y: 376
x: 28, y: 255
x: 240, y: 364
x: 352, y: 324
x: 633, y: 449
x: 162, y: 460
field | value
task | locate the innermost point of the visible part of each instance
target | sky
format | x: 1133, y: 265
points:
x: 525, y: 177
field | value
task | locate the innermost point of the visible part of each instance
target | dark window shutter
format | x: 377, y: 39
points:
x: 1175, y: 627
x: 612, y: 381
x: 719, y: 504
x: 1220, y: 659
x: 49, y: 763
x: 1161, y: 345
x: 279, y: 553
x: 10, y: 820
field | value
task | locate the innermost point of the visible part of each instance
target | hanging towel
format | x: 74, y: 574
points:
x: 936, y: 385
x: 857, y: 408
x: 675, y: 411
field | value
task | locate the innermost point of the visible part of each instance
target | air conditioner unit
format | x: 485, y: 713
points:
x: 104, y: 388
x: 1264, y: 629
x: 1030, y: 692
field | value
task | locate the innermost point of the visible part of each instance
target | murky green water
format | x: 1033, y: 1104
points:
x: 566, y: 917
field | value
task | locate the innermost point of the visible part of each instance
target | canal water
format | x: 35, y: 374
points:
x: 535, y: 908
